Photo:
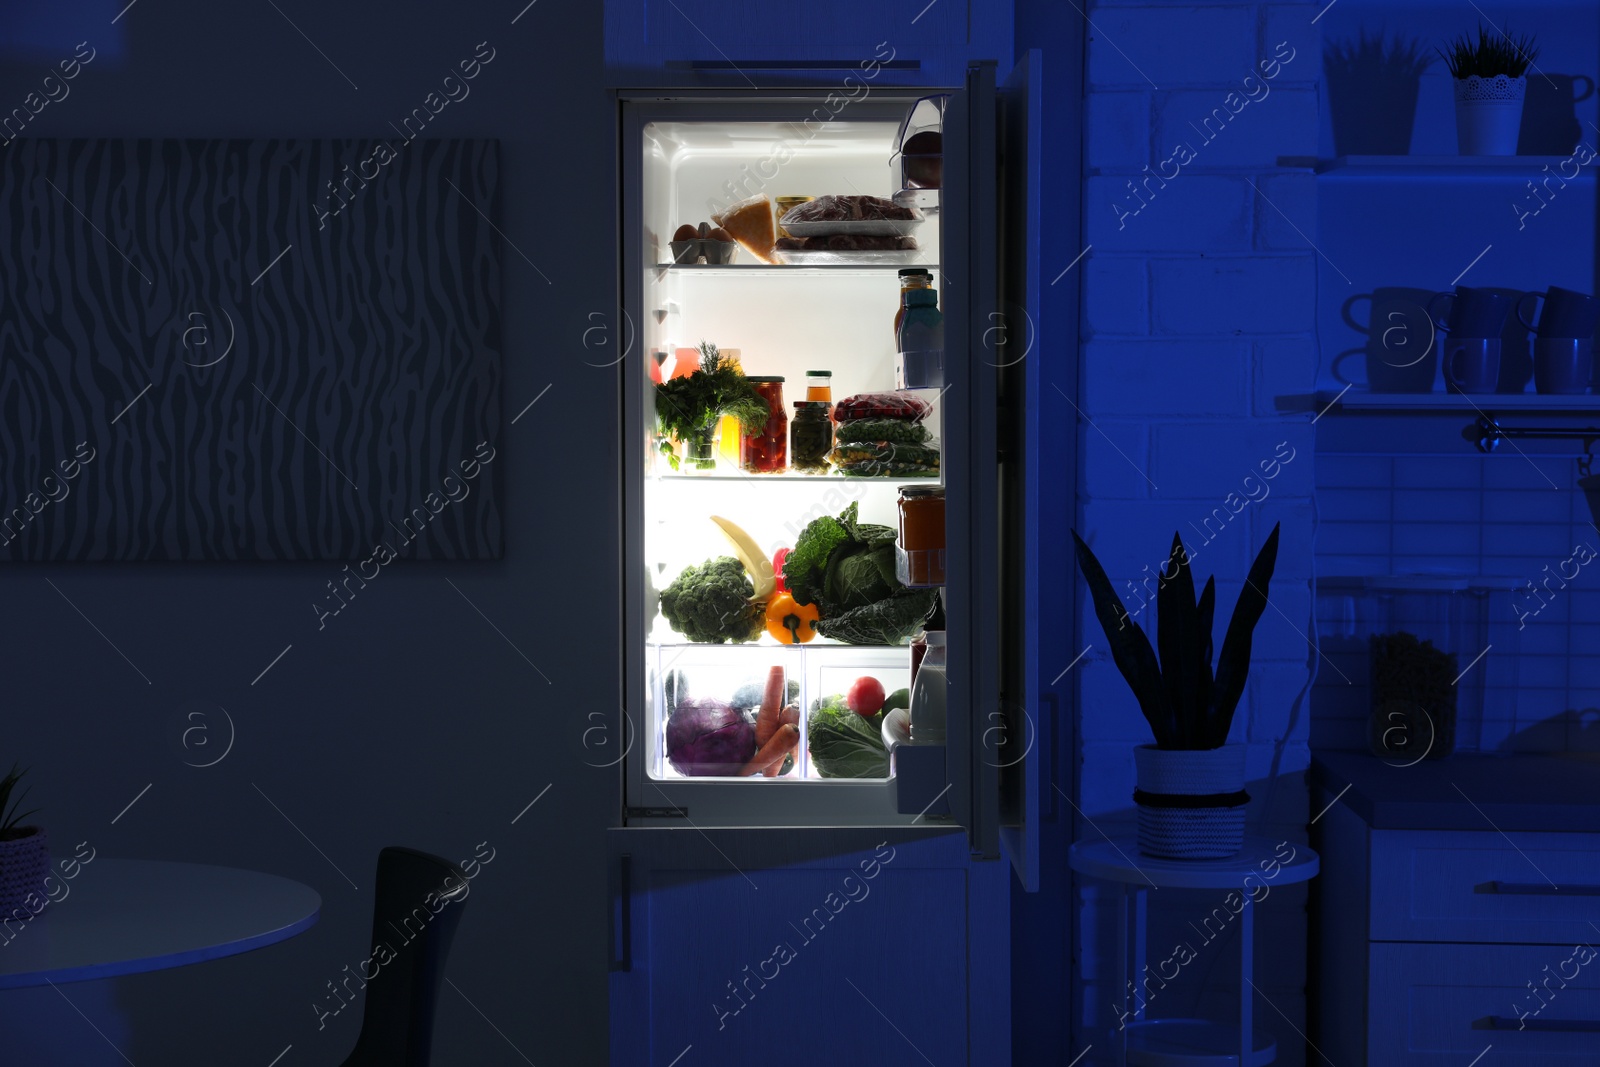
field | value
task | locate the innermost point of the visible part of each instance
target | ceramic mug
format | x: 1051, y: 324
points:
x: 1471, y: 364
x: 1566, y: 313
x: 1562, y: 365
x: 1473, y: 312
x: 1401, y: 354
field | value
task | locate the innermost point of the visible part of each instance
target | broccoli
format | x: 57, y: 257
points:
x: 711, y: 603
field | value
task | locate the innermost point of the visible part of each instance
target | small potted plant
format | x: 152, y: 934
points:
x: 1373, y: 82
x: 1490, y: 78
x: 24, y: 853
x: 1190, y: 790
x: 688, y: 408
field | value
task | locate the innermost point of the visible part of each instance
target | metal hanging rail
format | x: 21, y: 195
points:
x: 1487, y: 433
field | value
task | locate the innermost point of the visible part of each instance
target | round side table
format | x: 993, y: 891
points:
x: 1260, y: 866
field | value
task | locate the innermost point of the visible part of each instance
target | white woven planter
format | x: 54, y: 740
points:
x: 24, y: 863
x: 1489, y: 114
x: 1190, y: 833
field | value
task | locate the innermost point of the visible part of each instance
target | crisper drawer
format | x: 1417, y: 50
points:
x: 1451, y: 886
x: 1445, y: 1004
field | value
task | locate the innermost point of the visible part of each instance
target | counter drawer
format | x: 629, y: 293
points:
x: 1442, y: 1005
x: 1457, y: 886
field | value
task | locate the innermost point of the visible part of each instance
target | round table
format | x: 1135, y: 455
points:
x: 127, y: 916
x: 1247, y: 878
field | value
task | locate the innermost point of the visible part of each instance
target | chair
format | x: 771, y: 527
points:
x: 397, y: 1021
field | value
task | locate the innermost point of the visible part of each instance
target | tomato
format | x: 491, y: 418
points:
x: 866, y: 695
x: 777, y: 568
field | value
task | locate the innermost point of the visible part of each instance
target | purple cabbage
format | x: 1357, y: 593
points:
x: 706, y: 737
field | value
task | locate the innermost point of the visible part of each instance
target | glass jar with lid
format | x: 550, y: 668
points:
x: 819, y: 386
x: 767, y: 450
x: 919, y: 544
x: 811, y: 436
x: 1420, y: 643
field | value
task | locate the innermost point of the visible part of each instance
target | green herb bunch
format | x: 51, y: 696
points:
x: 9, y: 818
x: 1495, y: 52
x: 1372, y: 54
x: 691, y: 405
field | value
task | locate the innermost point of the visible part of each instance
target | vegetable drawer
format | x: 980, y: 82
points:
x: 1445, y: 1004
x: 1485, y: 887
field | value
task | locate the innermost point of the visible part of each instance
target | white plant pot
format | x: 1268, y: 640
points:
x: 24, y: 863
x: 1489, y: 114
x: 1173, y: 828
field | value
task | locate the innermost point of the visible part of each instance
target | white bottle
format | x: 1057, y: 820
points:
x: 928, y: 694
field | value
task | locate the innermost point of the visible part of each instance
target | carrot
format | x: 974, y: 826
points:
x: 771, y: 701
x: 790, y: 715
x: 783, y: 739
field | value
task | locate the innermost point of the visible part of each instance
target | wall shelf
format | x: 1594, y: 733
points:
x: 1399, y: 403
x: 1439, y: 167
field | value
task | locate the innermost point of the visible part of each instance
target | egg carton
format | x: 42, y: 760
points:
x: 703, y: 249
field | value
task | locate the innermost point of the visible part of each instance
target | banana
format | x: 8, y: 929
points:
x: 749, y: 553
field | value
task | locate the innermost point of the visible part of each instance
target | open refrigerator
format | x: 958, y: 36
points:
x: 687, y: 154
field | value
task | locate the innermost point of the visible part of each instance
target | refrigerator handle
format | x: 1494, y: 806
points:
x: 1049, y: 756
x: 622, y: 917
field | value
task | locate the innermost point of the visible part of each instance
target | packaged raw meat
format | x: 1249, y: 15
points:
x: 847, y: 209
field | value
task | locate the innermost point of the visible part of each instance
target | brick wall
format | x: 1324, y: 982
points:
x: 1198, y: 313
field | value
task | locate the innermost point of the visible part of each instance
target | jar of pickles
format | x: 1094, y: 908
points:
x: 811, y: 436
x: 767, y: 450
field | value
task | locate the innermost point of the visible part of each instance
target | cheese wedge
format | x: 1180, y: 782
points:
x: 753, y: 224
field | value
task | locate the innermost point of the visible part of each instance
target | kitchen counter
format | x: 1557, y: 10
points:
x: 1556, y: 792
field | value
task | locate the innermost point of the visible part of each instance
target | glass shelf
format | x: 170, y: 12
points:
x: 829, y: 269
x: 766, y: 647
x: 790, y: 479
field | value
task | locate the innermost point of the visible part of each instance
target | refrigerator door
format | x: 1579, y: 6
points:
x: 997, y: 571
x: 1028, y: 456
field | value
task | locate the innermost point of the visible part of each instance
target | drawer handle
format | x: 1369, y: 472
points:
x: 1558, y: 1026
x: 1539, y: 889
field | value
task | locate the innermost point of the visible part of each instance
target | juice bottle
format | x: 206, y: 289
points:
x: 919, y: 340
x: 910, y: 278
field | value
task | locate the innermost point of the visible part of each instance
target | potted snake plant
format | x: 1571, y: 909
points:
x: 24, y: 854
x: 1190, y: 795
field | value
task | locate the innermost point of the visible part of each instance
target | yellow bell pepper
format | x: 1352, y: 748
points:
x: 789, y: 622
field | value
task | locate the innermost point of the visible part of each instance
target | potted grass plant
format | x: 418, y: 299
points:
x: 1491, y: 80
x: 1373, y: 80
x: 24, y: 853
x: 1190, y: 783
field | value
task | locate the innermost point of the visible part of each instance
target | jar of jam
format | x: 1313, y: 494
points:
x: 819, y: 385
x: 767, y: 450
x: 919, y: 546
x: 811, y: 436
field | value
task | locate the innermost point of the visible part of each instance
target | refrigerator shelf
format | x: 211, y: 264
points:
x: 832, y: 269
x: 788, y: 479
x: 817, y: 645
